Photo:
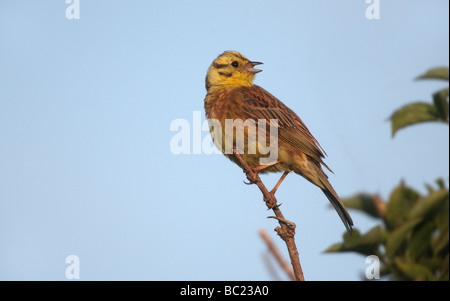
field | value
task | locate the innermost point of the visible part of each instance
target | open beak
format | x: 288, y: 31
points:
x: 250, y: 65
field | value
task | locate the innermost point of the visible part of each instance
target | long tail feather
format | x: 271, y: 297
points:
x: 314, y: 173
x: 339, y: 207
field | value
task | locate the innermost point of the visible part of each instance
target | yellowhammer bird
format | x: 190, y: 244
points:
x: 231, y: 96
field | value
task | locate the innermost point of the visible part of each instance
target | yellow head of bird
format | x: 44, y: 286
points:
x: 231, y: 69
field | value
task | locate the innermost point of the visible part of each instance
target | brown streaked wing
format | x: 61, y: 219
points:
x: 257, y: 103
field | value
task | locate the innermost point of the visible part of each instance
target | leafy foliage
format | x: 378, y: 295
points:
x: 417, y: 112
x: 412, y: 239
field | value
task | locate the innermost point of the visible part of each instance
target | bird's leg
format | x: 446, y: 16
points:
x: 264, y: 166
x: 257, y: 169
x: 279, y: 182
x: 272, y: 192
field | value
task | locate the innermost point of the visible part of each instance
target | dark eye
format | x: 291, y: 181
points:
x: 235, y: 64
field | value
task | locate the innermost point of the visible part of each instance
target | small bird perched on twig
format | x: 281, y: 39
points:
x: 231, y: 95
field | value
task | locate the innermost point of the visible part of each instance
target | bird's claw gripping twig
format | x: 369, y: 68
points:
x: 284, y: 221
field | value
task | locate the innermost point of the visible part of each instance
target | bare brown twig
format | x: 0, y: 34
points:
x: 287, y: 229
x: 273, y: 249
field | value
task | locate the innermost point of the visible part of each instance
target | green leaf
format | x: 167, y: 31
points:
x: 401, y: 201
x: 370, y: 204
x: 343, y: 246
x: 414, y: 271
x: 440, y: 100
x: 440, y: 243
x: 398, y: 237
x: 442, y: 218
x: 435, y: 73
x: 366, y: 244
x: 428, y: 205
x: 413, y: 113
x: 440, y: 182
x: 337, y: 247
x: 420, y: 240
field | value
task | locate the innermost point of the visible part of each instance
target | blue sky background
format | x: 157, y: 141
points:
x: 85, y: 111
